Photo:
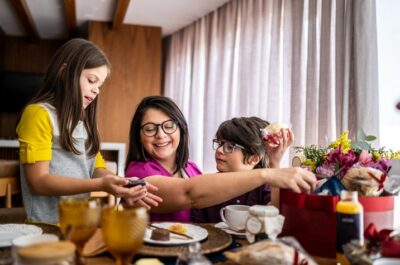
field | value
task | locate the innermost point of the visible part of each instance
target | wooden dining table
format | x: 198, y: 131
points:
x: 106, y: 259
x: 215, y: 257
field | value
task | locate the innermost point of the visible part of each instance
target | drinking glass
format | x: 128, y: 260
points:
x: 123, y: 231
x: 79, y: 219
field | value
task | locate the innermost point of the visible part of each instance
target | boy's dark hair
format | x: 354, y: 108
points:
x: 136, y: 152
x: 246, y: 132
x: 61, y: 88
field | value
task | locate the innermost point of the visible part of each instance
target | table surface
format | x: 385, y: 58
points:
x: 107, y: 260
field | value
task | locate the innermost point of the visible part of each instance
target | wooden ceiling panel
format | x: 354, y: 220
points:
x: 70, y: 17
x: 25, y: 16
x: 120, y: 11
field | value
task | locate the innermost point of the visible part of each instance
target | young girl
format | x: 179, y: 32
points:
x: 240, y: 147
x: 58, y: 136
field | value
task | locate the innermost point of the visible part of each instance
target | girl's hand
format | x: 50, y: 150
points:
x: 115, y: 185
x: 275, y: 149
x: 148, y: 201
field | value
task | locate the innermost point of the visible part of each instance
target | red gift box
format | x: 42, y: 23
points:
x: 311, y: 219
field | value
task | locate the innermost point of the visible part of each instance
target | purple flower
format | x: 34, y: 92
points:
x: 382, y: 165
x: 341, y: 162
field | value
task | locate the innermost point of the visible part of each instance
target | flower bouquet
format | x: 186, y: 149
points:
x: 345, y: 165
x: 358, y: 166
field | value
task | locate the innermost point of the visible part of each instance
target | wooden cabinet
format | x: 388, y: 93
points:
x: 135, y: 56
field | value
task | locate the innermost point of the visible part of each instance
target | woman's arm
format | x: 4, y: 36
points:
x: 210, y: 189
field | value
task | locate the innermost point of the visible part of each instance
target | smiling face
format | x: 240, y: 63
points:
x: 162, y: 146
x: 90, y: 82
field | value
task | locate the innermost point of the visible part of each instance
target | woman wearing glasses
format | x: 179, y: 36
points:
x: 239, y: 146
x: 159, y: 146
x: 158, y: 151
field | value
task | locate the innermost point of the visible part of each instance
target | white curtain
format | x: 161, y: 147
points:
x: 308, y: 63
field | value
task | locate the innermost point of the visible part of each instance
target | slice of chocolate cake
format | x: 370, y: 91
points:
x: 160, y: 234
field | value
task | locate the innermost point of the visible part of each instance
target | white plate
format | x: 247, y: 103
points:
x: 10, y: 231
x: 198, y: 233
x: 223, y: 226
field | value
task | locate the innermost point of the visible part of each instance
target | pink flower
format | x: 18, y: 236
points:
x: 341, y: 161
x: 326, y: 170
x: 364, y: 158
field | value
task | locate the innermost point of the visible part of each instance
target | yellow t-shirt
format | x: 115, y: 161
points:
x: 35, y: 133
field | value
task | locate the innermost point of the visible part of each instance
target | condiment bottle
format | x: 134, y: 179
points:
x: 349, y: 223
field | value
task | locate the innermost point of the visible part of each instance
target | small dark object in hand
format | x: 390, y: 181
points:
x: 134, y: 183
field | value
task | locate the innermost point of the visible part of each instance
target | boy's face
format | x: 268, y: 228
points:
x: 231, y: 162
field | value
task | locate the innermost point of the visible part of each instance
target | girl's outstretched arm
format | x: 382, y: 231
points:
x: 41, y: 182
x: 210, y: 189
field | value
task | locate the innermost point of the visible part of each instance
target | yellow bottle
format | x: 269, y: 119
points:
x: 349, y: 223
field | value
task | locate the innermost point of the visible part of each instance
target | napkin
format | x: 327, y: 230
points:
x: 95, y: 245
x: 273, y: 226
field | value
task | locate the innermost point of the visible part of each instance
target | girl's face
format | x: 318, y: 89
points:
x: 162, y: 146
x: 231, y: 162
x: 90, y: 82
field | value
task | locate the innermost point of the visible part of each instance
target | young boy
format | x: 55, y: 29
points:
x: 241, y: 146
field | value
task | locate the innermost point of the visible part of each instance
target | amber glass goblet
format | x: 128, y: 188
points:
x: 79, y: 219
x: 123, y: 231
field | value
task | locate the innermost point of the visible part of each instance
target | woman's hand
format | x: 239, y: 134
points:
x: 147, y: 201
x: 135, y: 196
x: 297, y: 179
x: 275, y: 149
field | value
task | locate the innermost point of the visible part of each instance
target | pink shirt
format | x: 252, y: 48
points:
x: 151, y: 168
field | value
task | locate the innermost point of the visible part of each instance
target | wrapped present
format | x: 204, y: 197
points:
x: 304, y: 212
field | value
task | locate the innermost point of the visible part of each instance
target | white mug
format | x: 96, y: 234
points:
x: 235, y: 216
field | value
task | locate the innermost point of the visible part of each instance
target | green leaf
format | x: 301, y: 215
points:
x: 361, y: 135
x: 364, y: 146
x: 370, y: 138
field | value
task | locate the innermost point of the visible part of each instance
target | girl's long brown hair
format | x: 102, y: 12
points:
x: 61, y: 89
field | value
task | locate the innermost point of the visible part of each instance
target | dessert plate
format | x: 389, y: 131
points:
x: 8, y: 232
x: 196, y: 232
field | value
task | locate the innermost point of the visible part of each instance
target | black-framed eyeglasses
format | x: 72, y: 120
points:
x: 227, y: 147
x: 151, y: 129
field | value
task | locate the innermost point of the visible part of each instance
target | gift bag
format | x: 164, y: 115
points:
x: 311, y: 219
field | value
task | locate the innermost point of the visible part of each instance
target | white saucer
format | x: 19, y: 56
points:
x: 223, y: 226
